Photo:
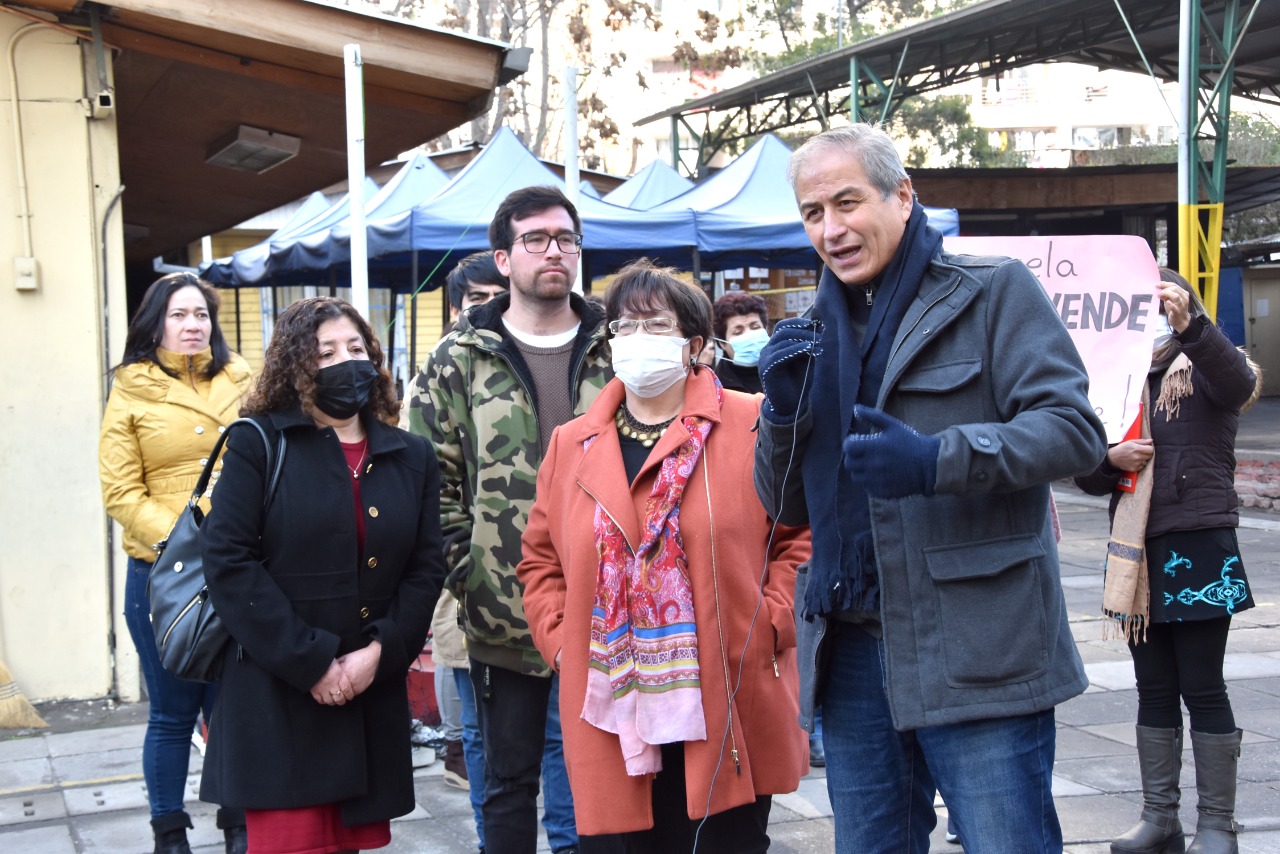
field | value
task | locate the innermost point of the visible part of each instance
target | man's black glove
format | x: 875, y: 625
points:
x: 890, y: 460
x: 786, y: 369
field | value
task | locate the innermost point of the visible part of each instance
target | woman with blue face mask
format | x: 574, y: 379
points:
x: 742, y: 328
x: 662, y: 594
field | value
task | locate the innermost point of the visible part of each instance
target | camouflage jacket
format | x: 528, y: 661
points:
x: 475, y: 401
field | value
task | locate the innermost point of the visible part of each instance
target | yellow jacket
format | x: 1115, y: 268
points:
x: 156, y: 434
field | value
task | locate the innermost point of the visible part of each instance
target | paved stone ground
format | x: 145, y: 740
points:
x: 77, y: 786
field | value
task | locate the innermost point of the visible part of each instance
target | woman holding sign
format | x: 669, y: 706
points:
x: 1174, y: 572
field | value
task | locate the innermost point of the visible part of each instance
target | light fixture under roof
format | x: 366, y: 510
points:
x: 250, y: 149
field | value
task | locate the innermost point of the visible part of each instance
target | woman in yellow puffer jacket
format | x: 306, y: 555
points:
x: 172, y: 394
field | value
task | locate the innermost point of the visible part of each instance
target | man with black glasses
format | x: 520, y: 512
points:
x: 489, y: 396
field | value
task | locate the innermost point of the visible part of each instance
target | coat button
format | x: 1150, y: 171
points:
x: 199, y: 429
x: 222, y: 429
x: 204, y: 461
x: 373, y: 511
x: 373, y: 563
x: 364, y: 613
x: 984, y: 441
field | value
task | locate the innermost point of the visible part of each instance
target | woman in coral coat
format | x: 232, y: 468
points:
x: 663, y: 594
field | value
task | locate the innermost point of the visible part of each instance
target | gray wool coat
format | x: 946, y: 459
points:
x: 974, y: 621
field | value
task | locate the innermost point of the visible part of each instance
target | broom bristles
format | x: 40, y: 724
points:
x: 15, y: 711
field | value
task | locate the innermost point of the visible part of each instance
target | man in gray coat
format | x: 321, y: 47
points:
x: 931, y: 623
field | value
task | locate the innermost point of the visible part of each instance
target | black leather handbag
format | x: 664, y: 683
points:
x: 189, y: 634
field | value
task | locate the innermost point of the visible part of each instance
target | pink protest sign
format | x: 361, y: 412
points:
x: 1104, y: 288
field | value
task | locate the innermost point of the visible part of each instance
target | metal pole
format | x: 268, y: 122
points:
x: 571, y: 148
x: 413, y: 314
x: 1186, y: 106
x: 355, y: 178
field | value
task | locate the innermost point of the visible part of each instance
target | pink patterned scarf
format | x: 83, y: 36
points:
x: 642, y: 681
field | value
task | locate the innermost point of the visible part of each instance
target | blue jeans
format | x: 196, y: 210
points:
x: 175, y: 703
x: 995, y: 775
x: 557, y: 798
x: 472, y: 748
x: 515, y: 714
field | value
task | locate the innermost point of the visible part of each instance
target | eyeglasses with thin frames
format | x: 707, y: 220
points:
x: 537, y: 242
x: 652, y: 325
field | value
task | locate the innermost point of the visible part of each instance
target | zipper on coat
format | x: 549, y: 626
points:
x: 191, y: 373
x: 612, y: 518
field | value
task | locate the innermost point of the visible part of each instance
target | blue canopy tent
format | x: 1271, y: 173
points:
x: 746, y: 213
x: 328, y: 244
x: 650, y: 187
x: 304, y: 248
x: 218, y: 270
x: 250, y: 266
x: 455, y: 221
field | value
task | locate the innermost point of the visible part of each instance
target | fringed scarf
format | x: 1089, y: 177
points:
x: 842, y: 574
x: 1126, y: 591
x: 643, y: 680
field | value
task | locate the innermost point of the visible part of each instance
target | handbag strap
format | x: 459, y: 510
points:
x: 275, y: 461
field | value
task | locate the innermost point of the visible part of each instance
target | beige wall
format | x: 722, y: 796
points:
x: 1262, y: 323
x: 58, y: 595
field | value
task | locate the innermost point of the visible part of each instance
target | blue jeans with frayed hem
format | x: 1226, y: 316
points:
x: 996, y: 775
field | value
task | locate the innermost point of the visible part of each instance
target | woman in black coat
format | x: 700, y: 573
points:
x: 1183, y: 477
x: 327, y: 594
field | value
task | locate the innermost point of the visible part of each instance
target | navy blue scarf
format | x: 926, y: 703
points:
x: 842, y: 574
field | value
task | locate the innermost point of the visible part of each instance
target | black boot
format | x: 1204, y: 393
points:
x: 1159, y: 831
x: 1216, y: 758
x: 231, y: 821
x: 171, y: 833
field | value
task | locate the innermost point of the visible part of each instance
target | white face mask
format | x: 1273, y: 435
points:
x: 648, y: 364
x: 1163, y: 331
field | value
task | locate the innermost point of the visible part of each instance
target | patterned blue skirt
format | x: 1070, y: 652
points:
x: 1196, y: 575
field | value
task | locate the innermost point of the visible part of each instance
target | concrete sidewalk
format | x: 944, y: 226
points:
x: 78, y: 787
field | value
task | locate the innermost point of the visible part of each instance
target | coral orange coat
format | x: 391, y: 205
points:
x: 726, y: 536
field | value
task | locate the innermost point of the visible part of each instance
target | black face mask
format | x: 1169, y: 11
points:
x: 343, y: 389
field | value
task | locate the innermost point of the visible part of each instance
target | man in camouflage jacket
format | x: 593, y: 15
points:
x: 478, y: 400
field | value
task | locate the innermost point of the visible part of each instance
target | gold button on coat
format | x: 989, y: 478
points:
x: 373, y: 562
x: 373, y: 511
x: 364, y: 613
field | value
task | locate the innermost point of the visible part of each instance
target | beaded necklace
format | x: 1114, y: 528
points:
x: 645, y: 434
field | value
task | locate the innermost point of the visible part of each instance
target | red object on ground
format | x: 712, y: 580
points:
x: 421, y: 685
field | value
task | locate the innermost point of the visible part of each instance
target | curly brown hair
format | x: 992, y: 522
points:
x: 289, y: 371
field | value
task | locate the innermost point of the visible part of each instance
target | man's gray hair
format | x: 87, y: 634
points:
x: 869, y: 144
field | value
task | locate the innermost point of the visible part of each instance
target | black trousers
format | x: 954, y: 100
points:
x: 1183, y: 662
x: 511, y: 710
x: 741, y: 830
